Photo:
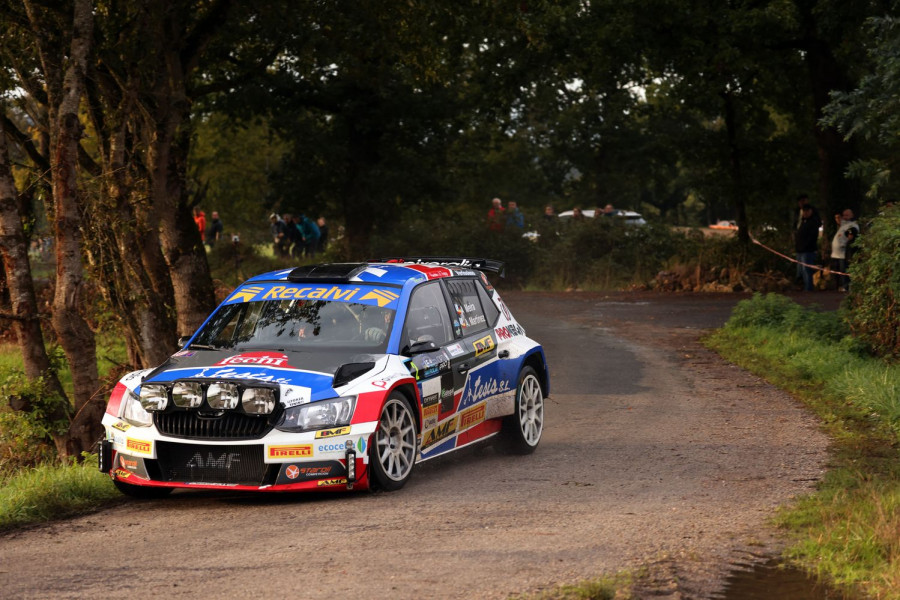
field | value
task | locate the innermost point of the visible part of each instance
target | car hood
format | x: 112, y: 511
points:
x: 312, y: 371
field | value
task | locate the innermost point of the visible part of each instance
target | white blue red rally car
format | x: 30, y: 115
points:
x: 329, y: 377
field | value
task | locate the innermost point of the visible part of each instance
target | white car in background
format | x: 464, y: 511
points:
x: 628, y: 216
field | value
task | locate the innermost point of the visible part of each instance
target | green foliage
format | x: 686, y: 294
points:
x: 780, y: 312
x: 26, y: 434
x: 875, y: 288
x: 51, y: 491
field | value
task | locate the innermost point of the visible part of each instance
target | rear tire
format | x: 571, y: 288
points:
x: 521, y: 431
x: 142, y: 492
x: 392, y: 453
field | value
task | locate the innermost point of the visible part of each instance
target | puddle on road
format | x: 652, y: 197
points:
x: 768, y: 581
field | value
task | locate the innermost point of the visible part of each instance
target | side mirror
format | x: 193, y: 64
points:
x: 422, y: 347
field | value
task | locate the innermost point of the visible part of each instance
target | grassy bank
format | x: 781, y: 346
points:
x: 848, y: 532
x: 48, y: 492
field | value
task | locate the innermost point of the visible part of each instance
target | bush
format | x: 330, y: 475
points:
x: 776, y: 311
x: 26, y: 433
x: 875, y: 288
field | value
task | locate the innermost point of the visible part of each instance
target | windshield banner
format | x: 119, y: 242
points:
x: 368, y: 295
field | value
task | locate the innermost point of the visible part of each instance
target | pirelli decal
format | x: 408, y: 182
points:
x: 327, y: 433
x: 471, y: 416
x: 139, y: 447
x: 294, y: 451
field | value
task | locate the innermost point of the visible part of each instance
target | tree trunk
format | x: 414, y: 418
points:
x: 26, y: 323
x: 181, y: 243
x: 75, y: 336
x: 738, y: 192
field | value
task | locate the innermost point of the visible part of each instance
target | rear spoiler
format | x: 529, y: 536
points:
x: 479, y: 264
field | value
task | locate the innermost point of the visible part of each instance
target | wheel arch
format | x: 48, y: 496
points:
x: 536, y: 361
x: 408, y: 391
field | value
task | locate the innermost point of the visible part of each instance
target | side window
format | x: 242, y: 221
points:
x: 427, y: 318
x: 490, y: 309
x: 468, y: 316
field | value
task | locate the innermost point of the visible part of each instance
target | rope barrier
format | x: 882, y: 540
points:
x: 794, y: 260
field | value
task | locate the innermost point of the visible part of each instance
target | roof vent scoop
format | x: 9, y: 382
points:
x: 330, y: 273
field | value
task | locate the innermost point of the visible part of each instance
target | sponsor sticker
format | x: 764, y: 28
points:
x: 484, y: 345
x: 294, y: 395
x: 267, y: 359
x: 327, y: 433
x: 430, y: 416
x: 472, y: 416
x: 295, y: 451
x: 509, y: 332
x: 442, y: 431
x: 121, y: 426
x: 479, y: 390
x: 339, y: 481
x: 292, y: 471
x: 123, y: 473
x: 139, y: 446
x: 127, y: 463
x: 455, y: 350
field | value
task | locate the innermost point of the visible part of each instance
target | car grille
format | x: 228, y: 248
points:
x: 241, y: 465
x: 229, y: 426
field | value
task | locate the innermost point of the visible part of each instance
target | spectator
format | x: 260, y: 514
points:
x: 323, y: 234
x: 294, y: 236
x: 214, y: 233
x: 806, y: 244
x: 549, y: 214
x: 609, y: 211
x: 281, y: 241
x: 200, y: 220
x: 310, y: 232
x: 842, y: 247
x: 577, y: 215
x: 514, y: 217
x: 495, y: 215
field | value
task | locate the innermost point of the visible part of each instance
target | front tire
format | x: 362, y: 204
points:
x: 521, y: 431
x: 392, y: 453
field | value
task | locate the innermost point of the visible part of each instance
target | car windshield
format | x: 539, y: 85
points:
x: 298, y: 325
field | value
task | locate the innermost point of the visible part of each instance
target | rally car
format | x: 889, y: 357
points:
x: 331, y: 377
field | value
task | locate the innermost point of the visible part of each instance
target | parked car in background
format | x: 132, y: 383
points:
x: 629, y: 217
x: 330, y: 377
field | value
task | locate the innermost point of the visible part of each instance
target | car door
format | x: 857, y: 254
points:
x: 428, y: 321
x: 477, y: 373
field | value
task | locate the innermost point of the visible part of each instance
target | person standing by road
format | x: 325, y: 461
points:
x: 323, y: 234
x: 842, y: 248
x: 806, y: 241
x: 280, y: 241
x: 514, y: 216
x: 495, y: 215
x: 214, y: 232
x: 200, y: 220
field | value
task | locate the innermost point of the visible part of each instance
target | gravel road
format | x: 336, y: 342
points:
x: 655, y: 453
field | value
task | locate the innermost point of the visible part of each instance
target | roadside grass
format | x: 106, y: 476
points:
x: 848, y: 532
x: 53, y: 491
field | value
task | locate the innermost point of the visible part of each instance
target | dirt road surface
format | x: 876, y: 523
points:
x: 655, y: 452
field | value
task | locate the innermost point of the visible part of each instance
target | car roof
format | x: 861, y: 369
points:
x: 394, y: 271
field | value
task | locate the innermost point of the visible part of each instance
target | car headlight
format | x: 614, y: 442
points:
x: 154, y: 396
x: 258, y: 401
x: 134, y: 412
x: 222, y: 396
x: 187, y: 394
x: 318, y: 415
